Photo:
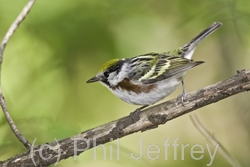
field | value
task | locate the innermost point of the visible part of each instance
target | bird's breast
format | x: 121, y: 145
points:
x: 129, y: 86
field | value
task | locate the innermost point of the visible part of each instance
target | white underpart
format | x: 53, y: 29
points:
x: 162, y: 89
x: 189, y: 54
x: 114, y: 79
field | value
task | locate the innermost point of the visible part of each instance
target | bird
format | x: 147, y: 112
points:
x: 148, y: 78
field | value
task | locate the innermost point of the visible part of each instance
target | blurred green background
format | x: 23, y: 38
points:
x: 61, y: 44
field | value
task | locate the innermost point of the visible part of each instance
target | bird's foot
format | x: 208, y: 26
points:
x: 137, y: 110
x: 182, y: 98
x: 183, y: 95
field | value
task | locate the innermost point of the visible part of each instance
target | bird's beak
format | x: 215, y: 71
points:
x: 94, y: 79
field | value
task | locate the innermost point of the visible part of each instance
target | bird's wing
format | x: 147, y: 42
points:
x: 154, y: 67
x: 141, y: 66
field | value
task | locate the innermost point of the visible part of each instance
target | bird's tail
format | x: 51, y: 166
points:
x: 190, y: 47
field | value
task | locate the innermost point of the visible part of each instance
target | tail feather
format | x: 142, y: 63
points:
x: 190, y: 47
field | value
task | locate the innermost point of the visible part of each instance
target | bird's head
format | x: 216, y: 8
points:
x: 111, y: 73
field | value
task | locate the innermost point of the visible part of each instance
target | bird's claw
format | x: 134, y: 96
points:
x: 183, y: 96
x: 136, y: 112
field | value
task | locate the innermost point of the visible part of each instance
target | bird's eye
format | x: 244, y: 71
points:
x: 106, y: 74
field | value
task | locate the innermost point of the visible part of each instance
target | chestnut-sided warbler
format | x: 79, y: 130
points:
x: 148, y: 78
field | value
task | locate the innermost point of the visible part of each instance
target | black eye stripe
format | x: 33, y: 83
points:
x: 106, y: 81
x: 106, y: 74
x: 114, y: 68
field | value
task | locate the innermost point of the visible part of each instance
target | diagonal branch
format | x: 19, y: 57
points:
x: 146, y: 120
x: 6, y: 38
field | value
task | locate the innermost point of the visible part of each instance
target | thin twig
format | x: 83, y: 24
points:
x: 210, y: 138
x: 6, y: 38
